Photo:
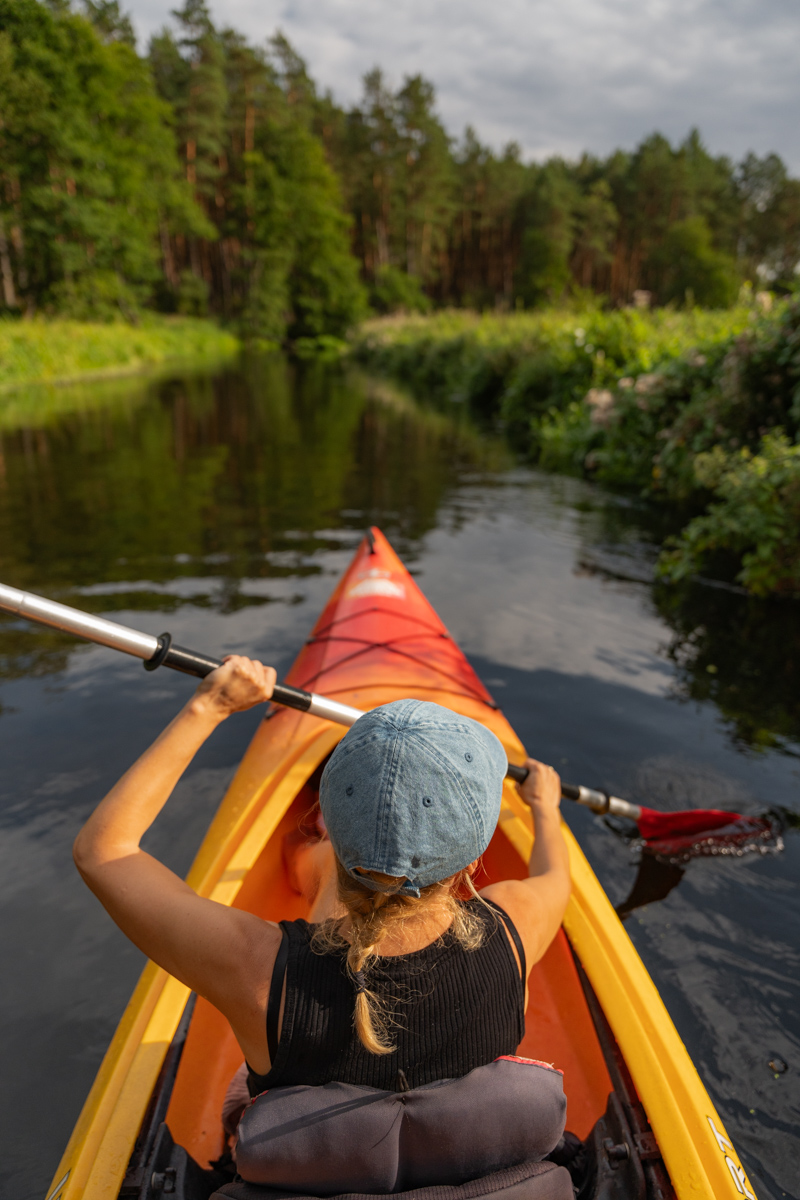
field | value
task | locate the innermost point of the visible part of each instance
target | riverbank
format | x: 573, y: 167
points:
x: 696, y: 410
x: 62, y: 351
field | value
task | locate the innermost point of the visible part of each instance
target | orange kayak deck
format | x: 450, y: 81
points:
x: 593, y: 1009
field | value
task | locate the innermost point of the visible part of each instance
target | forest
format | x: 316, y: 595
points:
x: 211, y: 177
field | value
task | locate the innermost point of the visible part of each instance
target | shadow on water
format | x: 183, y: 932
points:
x: 657, y: 874
x: 225, y: 507
x: 654, y: 881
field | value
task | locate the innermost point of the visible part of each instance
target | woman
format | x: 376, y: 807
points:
x: 397, y: 979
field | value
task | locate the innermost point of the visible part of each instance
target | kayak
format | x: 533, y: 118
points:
x: 151, y: 1124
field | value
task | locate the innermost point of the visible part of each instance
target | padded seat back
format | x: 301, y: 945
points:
x: 525, y: 1181
x: 339, y: 1138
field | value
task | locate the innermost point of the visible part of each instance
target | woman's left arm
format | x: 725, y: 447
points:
x: 537, y: 904
x: 204, y: 944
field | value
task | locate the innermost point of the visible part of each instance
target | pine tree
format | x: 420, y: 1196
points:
x: 87, y: 163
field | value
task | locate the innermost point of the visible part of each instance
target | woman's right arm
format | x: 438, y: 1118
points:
x: 225, y: 954
x: 537, y: 904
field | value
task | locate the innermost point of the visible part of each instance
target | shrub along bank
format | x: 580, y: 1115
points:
x: 40, y: 351
x: 698, y: 409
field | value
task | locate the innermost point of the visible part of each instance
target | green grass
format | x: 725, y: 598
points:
x: 57, y: 351
x: 522, y: 364
x: 660, y: 331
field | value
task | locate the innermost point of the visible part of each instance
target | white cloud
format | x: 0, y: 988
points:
x: 557, y: 77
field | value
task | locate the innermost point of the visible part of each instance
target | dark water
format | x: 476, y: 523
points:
x: 224, y: 510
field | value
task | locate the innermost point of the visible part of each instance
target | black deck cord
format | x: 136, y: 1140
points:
x: 275, y: 993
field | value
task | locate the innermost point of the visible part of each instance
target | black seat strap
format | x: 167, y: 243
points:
x: 275, y: 993
x: 514, y: 934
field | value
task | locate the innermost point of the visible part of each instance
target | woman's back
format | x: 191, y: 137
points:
x: 411, y: 797
x: 452, y: 1009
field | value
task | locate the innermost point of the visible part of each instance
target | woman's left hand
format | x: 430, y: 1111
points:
x: 239, y: 684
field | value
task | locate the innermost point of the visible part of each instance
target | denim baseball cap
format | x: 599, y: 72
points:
x: 412, y: 789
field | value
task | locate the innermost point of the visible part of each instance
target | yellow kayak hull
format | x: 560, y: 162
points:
x: 242, y: 850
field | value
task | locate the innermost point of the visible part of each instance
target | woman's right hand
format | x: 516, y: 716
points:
x: 239, y: 684
x: 542, y: 788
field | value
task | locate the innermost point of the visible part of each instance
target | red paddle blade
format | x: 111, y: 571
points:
x: 706, y: 833
x: 694, y: 822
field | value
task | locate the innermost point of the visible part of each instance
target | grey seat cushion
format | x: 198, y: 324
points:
x: 525, y: 1181
x: 339, y: 1138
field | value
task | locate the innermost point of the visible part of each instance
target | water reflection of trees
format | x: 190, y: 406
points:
x: 739, y: 652
x: 743, y: 654
x: 250, y: 473
x: 224, y: 478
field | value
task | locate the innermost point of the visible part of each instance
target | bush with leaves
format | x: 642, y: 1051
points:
x: 521, y: 366
x: 753, y: 519
x: 637, y: 400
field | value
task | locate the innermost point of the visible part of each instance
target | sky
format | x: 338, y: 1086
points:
x: 555, y: 76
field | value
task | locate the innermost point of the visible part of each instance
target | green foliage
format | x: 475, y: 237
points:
x: 651, y: 401
x: 543, y: 273
x: 755, y: 518
x: 484, y: 230
x: 565, y: 437
x: 520, y: 366
x: 281, y: 265
x: 110, y: 22
x: 396, y: 292
x: 191, y: 299
x: 393, y: 157
x: 88, y: 162
x: 40, y: 350
x: 97, y: 296
x: 728, y: 391
x: 692, y: 271
x: 325, y: 293
x: 211, y: 177
x: 191, y: 179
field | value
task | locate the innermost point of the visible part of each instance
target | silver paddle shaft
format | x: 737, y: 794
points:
x: 82, y: 624
x: 599, y: 802
x: 155, y: 651
x: 160, y: 651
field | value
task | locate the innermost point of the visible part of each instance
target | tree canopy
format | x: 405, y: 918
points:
x: 211, y: 176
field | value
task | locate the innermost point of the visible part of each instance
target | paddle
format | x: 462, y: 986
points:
x: 161, y: 651
x: 694, y: 824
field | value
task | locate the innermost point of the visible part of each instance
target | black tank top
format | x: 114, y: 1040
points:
x: 455, y: 1010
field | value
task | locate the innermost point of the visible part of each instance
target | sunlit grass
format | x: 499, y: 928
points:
x: 451, y: 344
x: 56, y: 351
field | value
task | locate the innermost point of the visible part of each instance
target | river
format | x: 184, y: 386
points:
x: 224, y: 508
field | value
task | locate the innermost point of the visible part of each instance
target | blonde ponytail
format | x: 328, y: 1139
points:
x: 373, y: 916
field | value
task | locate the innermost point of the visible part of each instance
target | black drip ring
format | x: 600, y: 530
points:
x: 164, y: 644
